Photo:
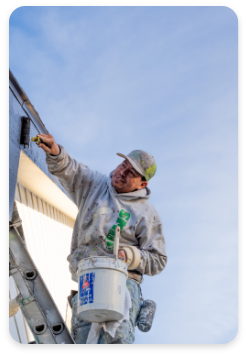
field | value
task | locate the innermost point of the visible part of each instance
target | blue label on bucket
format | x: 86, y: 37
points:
x: 86, y: 292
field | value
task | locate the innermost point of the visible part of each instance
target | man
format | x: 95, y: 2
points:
x: 105, y: 203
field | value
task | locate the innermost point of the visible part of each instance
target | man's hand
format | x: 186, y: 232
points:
x: 49, y: 145
x: 122, y: 255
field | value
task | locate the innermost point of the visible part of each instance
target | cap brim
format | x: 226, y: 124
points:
x: 132, y: 163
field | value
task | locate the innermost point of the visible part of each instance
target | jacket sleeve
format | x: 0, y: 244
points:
x: 76, y: 178
x: 153, y: 257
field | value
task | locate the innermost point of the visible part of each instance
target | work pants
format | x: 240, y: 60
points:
x: 124, y: 333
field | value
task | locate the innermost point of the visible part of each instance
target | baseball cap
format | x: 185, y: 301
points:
x: 142, y: 162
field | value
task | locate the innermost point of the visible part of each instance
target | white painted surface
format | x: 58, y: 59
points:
x: 48, y: 234
x: 35, y: 180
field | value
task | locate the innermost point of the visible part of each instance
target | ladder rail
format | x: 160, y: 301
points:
x: 31, y: 311
x: 36, y: 299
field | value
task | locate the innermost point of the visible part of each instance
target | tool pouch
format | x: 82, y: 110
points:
x: 146, y: 315
x: 73, y: 292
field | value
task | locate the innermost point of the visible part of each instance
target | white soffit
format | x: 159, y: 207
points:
x: 34, y: 179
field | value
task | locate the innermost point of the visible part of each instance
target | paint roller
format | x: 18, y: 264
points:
x: 25, y: 131
x: 25, y: 134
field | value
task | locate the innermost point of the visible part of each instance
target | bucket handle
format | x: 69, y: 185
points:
x: 128, y: 262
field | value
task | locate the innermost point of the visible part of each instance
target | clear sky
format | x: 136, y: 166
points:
x: 164, y: 80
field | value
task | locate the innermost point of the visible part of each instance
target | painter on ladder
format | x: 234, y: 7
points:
x: 105, y: 203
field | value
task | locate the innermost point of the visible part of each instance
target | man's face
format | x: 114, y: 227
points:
x: 126, y: 179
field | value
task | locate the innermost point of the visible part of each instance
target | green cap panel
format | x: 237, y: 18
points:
x: 149, y: 173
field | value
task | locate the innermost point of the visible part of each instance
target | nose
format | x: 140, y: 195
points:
x: 124, y: 171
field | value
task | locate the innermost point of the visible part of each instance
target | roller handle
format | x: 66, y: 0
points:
x: 38, y: 140
x: 117, y: 239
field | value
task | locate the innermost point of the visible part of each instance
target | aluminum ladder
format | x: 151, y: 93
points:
x: 36, y: 303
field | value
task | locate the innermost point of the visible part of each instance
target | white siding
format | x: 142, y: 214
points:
x: 48, y: 234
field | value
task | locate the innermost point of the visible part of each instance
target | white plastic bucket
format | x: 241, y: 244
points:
x: 102, y: 286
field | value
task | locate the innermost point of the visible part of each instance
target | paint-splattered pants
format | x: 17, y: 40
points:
x: 124, y: 333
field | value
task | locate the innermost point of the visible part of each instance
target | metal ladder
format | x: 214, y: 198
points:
x: 36, y: 303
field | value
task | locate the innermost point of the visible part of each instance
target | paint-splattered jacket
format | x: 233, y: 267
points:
x: 101, y: 209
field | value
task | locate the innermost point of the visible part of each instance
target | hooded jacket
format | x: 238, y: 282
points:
x: 100, y: 210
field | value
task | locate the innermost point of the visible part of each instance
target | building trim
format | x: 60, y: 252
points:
x: 24, y: 101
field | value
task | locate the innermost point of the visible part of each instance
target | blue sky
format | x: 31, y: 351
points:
x: 161, y: 79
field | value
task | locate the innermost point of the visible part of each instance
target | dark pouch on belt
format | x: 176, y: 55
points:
x: 73, y: 292
x: 146, y: 315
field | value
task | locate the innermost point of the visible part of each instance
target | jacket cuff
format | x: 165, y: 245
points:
x: 133, y: 254
x: 57, y: 156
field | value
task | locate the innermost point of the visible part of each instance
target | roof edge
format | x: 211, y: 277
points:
x: 27, y: 102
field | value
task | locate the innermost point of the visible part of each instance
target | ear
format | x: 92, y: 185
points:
x: 142, y: 185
